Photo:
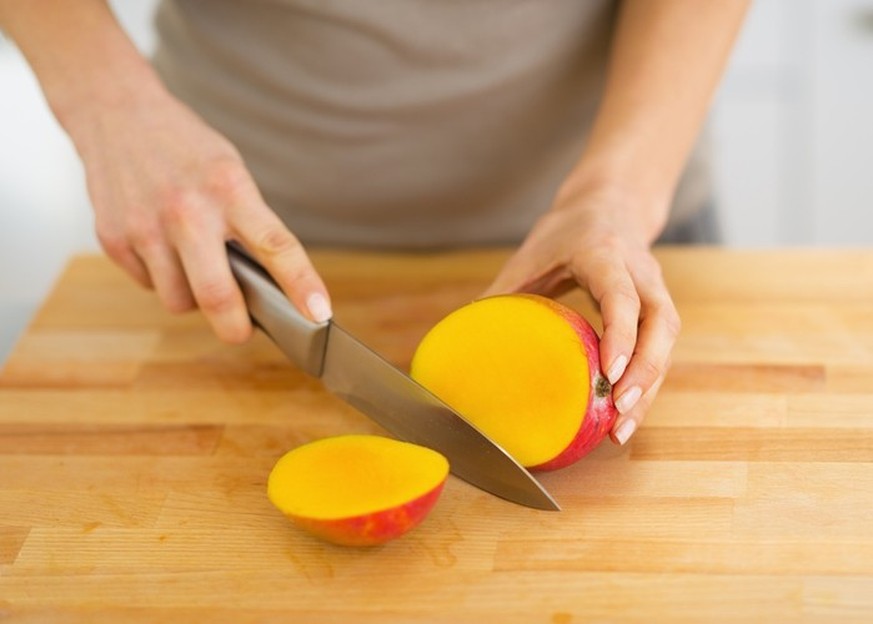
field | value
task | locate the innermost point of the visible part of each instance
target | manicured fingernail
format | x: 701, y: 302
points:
x: 319, y: 308
x: 617, y: 369
x: 627, y: 400
x: 625, y: 430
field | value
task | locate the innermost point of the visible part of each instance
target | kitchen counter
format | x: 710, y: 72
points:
x: 134, y: 452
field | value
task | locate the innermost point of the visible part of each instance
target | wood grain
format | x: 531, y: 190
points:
x: 134, y: 452
x: 125, y: 440
x: 11, y: 541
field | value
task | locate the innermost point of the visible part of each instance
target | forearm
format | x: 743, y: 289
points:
x: 81, y: 56
x: 666, y: 61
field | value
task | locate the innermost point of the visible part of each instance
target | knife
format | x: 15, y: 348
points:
x: 368, y: 382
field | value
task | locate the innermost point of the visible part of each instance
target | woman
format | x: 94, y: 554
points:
x: 561, y: 126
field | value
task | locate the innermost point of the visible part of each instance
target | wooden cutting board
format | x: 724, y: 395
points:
x: 134, y: 450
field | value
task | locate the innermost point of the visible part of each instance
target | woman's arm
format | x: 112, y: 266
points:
x: 168, y: 191
x: 666, y: 61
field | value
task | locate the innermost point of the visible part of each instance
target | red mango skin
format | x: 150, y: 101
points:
x: 375, y: 528
x: 600, y: 413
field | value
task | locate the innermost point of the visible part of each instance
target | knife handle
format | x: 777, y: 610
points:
x: 302, y: 340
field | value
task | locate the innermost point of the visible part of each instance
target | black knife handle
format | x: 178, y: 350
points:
x: 302, y: 340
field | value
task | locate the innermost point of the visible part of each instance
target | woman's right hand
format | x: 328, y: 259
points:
x: 168, y: 191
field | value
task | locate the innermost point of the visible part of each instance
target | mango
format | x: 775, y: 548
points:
x: 525, y: 370
x: 357, y: 490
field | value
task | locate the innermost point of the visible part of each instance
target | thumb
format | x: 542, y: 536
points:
x: 528, y: 271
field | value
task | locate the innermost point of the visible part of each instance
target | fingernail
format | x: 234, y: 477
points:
x: 627, y: 400
x: 617, y: 369
x: 625, y: 430
x: 319, y: 308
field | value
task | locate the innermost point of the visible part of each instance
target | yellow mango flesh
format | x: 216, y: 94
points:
x: 513, y: 366
x: 354, y: 475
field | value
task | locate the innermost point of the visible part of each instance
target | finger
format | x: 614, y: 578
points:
x: 264, y: 235
x: 611, y: 285
x: 119, y: 250
x: 530, y: 269
x: 135, y: 267
x: 627, y: 424
x: 204, y: 258
x: 511, y: 275
x: 659, y: 328
x: 165, y: 272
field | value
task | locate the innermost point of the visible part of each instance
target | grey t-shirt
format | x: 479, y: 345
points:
x: 400, y: 123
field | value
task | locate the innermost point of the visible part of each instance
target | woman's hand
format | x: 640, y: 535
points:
x: 598, y: 233
x: 168, y: 192
x: 594, y: 239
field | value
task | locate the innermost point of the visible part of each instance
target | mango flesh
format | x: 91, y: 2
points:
x: 357, y: 490
x: 525, y: 370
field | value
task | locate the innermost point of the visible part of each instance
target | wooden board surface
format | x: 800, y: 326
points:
x: 134, y: 451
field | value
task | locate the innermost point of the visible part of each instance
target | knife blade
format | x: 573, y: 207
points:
x: 366, y: 381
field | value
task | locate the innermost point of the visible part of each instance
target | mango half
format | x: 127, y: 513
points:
x: 357, y: 490
x: 525, y: 370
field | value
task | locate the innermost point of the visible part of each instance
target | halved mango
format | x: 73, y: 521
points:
x: 357, y: 490
x: 526, y: 370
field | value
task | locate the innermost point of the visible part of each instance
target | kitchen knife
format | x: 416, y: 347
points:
x: 365, y: 380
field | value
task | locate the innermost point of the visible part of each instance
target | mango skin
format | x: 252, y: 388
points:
x: 374, y: 528
x: 600, y: 413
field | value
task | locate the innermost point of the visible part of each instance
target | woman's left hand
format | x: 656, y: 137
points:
x: 594, y: 239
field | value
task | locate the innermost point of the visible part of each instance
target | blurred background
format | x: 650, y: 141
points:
x: 791, y: 124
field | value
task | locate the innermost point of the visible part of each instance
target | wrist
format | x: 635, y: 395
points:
x: 122, y: 85
x: 642, y: 205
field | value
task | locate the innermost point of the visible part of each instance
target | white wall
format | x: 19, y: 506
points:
x: 792, y: 130
x: 45, y: 215
x: 793, y: 123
